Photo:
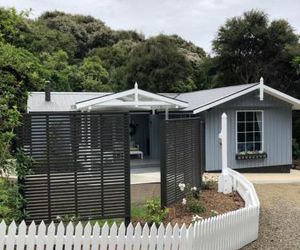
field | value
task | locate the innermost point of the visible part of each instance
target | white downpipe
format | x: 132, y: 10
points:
x: 225, y: 181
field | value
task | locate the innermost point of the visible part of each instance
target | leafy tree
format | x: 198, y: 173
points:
x: 92, y: 76
x: 123, y: 35
x: 114, y: 59
x: 43, y: 39
x: 87, y: 31
x: 13, y: 26
x: 296, y: 63
x: 250, y: 46
x: 56, y: 69
x: 158, y: 66
x: 19, y: 71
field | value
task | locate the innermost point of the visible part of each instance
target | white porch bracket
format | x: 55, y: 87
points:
x: 225, y: 181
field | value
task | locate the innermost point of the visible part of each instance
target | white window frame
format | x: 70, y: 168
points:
x: 262, y: 130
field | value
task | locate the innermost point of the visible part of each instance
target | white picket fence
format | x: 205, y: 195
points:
x: 232, y: 230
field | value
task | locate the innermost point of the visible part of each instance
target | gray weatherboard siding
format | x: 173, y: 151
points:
x: 277, y: 129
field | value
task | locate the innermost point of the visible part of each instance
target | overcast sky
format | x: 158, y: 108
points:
x: 194, y: 20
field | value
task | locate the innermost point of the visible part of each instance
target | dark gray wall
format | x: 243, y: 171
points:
x: 141, y: 136
x: 154, y: 135
x: 277, y: 127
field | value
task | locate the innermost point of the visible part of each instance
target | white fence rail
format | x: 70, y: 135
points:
x: 232, y: 230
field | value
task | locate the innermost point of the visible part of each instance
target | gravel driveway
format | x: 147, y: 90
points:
x: 280, y: 217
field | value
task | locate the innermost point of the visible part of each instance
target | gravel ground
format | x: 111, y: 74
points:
x: 280, y: 217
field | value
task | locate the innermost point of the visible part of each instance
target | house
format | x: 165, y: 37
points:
x: 259, y: 121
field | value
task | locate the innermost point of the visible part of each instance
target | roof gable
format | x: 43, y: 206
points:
x: 248, y: 89
x: 132, y: 98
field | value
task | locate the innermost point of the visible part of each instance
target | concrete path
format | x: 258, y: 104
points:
x: 145, y: 175
x: 280, y: 178
x: 152, y: 175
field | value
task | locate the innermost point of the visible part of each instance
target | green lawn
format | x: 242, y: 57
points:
x: 138, y: 211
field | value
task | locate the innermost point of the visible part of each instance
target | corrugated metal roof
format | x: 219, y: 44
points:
x: 201, y: 98
x: 63, y: 101
x: 60, y: 101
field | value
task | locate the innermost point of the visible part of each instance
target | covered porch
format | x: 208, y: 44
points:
x: 147, y: 110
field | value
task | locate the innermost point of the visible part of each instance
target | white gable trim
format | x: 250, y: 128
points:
x: 112, y: 100
x: 263, y: 89
x: 225, y: 99
x: 282, y: 96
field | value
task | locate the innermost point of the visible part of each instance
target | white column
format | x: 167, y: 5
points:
x: 167, y: 113
x: 223, y: 137
x: 225, y: 181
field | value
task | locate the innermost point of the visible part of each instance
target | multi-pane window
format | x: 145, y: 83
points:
x: 249, y: 131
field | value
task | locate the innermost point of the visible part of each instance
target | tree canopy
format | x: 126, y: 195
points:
x: 251, y: 46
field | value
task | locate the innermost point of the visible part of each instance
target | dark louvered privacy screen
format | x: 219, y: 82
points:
x: 182, y: 156
x: 81, y: 165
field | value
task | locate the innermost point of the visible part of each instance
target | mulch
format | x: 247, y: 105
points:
x: 212, y: 201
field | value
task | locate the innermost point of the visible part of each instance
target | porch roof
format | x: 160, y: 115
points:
x: 132, y: 99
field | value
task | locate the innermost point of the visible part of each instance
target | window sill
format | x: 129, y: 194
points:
x: 251, y: 156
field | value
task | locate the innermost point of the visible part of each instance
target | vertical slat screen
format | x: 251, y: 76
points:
x: 81, y: 165
x: 182, y: 156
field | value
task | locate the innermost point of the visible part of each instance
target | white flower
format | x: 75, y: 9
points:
x: 58, y: 217
x: 193, y: 189
x: 183, y: 201
x: 196, y: 218
x: 214, y: 211
x: 181, y: 186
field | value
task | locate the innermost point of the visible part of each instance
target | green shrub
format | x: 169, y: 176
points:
x: 66, y: 218
x: 208, y: 183
x: 11, y: 202
x: 194, y: 205
x: 155, y: 214
x: 296, y: 150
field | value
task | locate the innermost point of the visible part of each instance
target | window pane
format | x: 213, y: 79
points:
x: 249, y: 136
x: 249, y: 131
x: 257, y: 136
x: 241, y: 147
x: 250, y: 116
x: 258, y: 126
x: 258, y: 116
x: 241, y: 127
x: 241, y: 116
x: 241, y: 137
x: 257, y: 146
x: 249, y: 126
x: 249, y: 146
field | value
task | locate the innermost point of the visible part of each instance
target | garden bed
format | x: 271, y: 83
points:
x: 214, y: 203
